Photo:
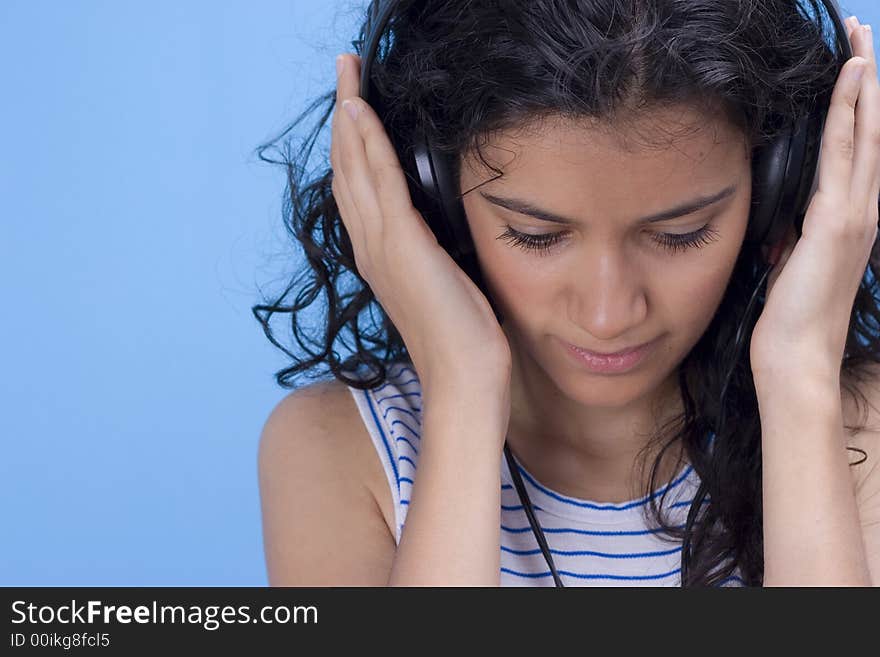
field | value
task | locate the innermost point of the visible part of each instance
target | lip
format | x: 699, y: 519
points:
x: 616, y: 363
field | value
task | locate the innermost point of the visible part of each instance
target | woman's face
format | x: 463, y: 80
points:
x: 611, y: 279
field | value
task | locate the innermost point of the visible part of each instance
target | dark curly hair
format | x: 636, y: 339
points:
x: 460, y: 70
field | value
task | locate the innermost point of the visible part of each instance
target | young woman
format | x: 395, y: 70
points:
x: 603, y: 154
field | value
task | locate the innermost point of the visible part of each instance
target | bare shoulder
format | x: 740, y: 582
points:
x: 327, y: 509
x: 330, y: 408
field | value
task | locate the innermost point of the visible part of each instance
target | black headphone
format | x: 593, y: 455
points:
x: 784, y: 177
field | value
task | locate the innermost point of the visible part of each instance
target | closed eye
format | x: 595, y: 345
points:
x: 672, y: 242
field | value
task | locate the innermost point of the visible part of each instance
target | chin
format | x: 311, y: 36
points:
x: 607, y: 392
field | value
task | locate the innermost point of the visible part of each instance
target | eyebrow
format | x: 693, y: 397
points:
x: 524, y: 207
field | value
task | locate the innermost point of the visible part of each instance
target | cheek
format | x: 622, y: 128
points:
x: 701, y: 284
x: 698, y: 296
x: 515, y: 284
x: 511, y: 280
x: 699, y: 289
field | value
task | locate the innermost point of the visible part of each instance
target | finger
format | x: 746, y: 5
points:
x: 851, y: 23
x: 348, y: 208
x: 866, y: 162
x: 334, y: 123
x: 353, y: 158
x: 381, y: 178
x: 389, y: 180
x: 335, y: 136
x: 838, y: 141
x: 351, y: 219
x: 348, y: 214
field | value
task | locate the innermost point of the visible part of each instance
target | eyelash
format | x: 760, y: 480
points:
x: 672, y: 243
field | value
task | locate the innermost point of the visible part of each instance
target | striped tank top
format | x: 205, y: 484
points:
x: 592, y: 544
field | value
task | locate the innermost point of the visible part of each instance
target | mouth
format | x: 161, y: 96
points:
x: 602, y: 354
x: 610, y: 363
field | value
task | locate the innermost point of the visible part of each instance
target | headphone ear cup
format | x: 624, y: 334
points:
x: 768, y: 177
x: 808, y: 167
x: 437, y: 199
x: 426, y: 195
x: 784, y: 176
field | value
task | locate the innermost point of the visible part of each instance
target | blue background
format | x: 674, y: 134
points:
x: 136, y: 229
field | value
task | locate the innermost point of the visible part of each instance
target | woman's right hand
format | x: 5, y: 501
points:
x: 446, y: 322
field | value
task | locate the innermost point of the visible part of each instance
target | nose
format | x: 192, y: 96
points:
x: 608, y: 297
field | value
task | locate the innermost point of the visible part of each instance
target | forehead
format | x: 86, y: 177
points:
x: 675, y: 147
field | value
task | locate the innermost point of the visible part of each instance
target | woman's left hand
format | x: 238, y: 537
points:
x: 810, y: 291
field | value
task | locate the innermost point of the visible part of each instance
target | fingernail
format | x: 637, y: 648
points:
x: 351, y: 108
x: 867, y: 28
x: 340, y: 64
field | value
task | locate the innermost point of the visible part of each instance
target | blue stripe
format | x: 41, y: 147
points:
x: 406, y: 479
x: 403, y: 394
x: 401, y: 410
x: 404, y: 501
x: 591, y: 575
x: 406, y: 458
x: 384, y: 385
x: 520, y: 507
x: 586, y: 532
x: 391, y: 377
x: 404, y: 368
x: 590, y: 553
x: 408, y: 443
x: 603, y: 507
x: 384, y: 441
x: 393, y: 422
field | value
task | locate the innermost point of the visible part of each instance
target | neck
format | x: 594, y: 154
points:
x: 586, y: 451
